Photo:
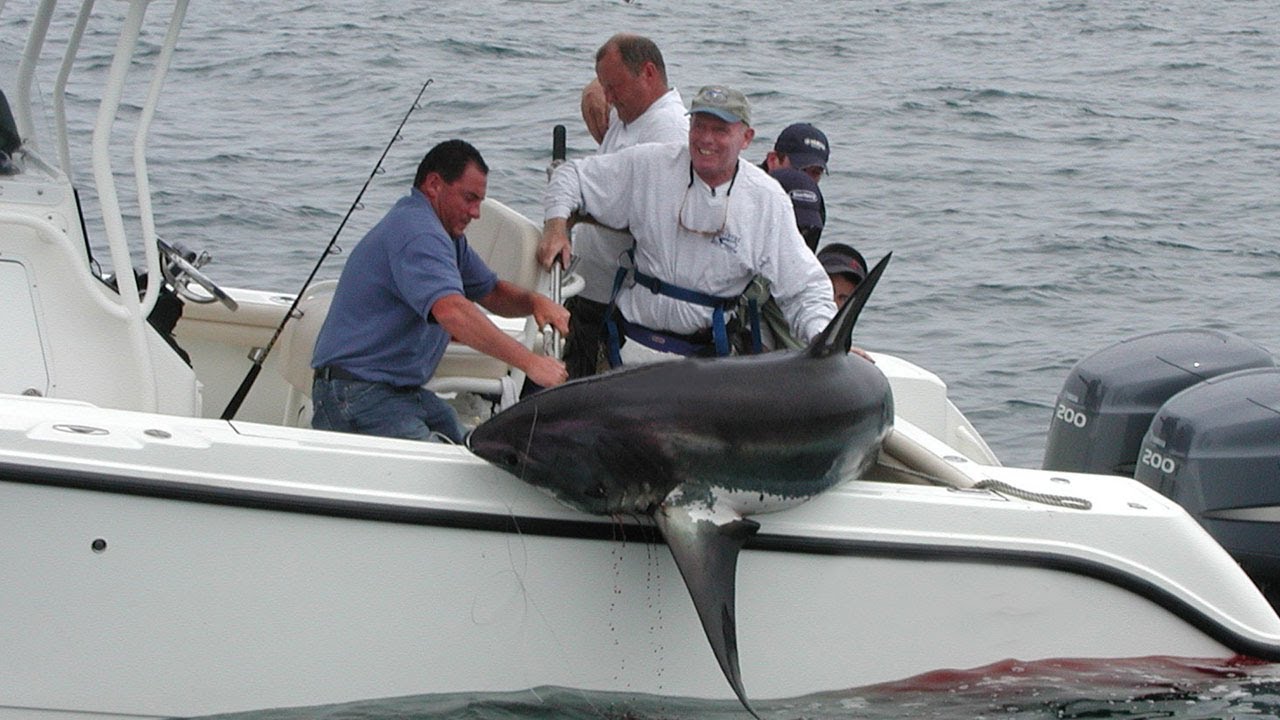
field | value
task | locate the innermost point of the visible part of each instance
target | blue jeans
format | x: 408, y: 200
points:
x: 371, y: 408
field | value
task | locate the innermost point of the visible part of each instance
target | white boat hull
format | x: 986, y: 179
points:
x: 240, y: 566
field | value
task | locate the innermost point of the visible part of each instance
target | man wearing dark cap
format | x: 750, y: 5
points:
x: 800, y: 146
x: 705, y: 224
x: 806, y: 200
x: 846, y: 268
x: 772, y: 333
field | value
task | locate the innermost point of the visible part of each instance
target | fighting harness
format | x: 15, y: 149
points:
x: 714, y: 343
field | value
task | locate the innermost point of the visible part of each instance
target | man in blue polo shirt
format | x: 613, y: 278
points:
x: 406, y: 289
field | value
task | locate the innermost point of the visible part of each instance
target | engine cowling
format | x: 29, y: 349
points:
x: 1214, y: 448
x: 1109, y: 398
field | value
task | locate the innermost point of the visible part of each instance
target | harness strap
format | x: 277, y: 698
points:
x: 718, y: 305
x: 610, y: 324
x: 696, y: 345
x: 661, y: 287
x: 757, y: 342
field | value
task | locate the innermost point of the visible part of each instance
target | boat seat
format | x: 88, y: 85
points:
x: 297, y: 341
x: 507, y: 242
x: 67, y: 335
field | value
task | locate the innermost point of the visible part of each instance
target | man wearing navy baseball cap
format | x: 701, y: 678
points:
x: 806, y: 200
x: 800, y: 146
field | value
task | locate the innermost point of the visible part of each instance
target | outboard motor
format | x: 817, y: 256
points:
x: 1215, y: 450
x: 1108, y: 400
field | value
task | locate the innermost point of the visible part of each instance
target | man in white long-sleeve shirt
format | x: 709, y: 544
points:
x: 630, y: 102
x: 704, y: 223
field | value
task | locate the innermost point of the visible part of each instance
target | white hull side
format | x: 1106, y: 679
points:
x: 201, y: 607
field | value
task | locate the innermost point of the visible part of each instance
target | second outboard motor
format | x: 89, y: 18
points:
x: 1215, y: 450
x: 1108, y: 400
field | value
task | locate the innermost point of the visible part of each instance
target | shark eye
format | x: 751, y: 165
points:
x: 510, y: 457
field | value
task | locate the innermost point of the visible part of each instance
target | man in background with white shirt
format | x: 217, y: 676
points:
x: 629, y: 103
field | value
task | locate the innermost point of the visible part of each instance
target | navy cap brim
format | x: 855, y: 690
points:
x: 802, y: 160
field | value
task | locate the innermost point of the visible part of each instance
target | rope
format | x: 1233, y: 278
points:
x: 1003, y: 488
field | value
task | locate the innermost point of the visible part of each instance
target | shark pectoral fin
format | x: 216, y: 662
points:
x: 706, y: 551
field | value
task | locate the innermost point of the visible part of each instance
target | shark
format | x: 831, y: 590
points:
x: 701, y: 445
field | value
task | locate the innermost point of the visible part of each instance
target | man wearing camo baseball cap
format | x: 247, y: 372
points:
x: 705, y: 224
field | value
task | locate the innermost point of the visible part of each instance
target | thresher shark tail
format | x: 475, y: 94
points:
x: 627, y: 442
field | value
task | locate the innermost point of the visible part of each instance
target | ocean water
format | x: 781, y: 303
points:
x: 1048, y: 690
x: 1051, y: 177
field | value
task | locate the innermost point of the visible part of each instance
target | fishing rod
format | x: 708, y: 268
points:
x: 557, y: 295
x: 259, y: 355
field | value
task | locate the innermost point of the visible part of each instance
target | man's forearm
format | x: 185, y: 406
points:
x: 469, y: 326
x: 509, y: 300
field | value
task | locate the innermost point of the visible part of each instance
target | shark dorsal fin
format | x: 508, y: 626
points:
x: 838, y: 335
